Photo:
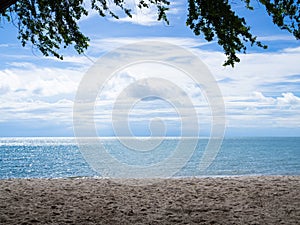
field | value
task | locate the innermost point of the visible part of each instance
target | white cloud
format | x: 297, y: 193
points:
x: 28, y: 80
x: 29, y: 90
x: 292, y: 50
x: 143, y: 17
x: 101, y: 46
x: 146, y: 16
x: 4, y: 45
x: 289, y: 99
x: 60, y: 110
x: 260, y: 111
x: 277, y: 38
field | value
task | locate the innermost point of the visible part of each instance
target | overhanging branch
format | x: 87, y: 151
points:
x: 4, y: 4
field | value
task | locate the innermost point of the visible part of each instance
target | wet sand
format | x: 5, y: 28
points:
x: 231, y: 200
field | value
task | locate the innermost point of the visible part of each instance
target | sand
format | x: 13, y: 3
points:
x: 231, y: 200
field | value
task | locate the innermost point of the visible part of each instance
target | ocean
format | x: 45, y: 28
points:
x: 61, y: 157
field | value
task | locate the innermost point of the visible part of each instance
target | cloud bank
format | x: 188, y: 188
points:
x: 261, y: 93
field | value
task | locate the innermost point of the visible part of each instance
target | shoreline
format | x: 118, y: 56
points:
x: 189, y: 200
x: 158, y: 178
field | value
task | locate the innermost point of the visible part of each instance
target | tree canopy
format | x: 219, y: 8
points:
x: 51, y: 25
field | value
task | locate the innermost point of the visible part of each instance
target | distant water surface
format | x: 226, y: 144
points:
x: 61, y: 157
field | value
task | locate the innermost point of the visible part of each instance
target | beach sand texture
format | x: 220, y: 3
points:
x: 230, y: 200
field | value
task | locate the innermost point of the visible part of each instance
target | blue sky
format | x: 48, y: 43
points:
x: 261, y: 94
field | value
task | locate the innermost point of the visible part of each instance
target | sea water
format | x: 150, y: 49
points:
x: 61, y: 157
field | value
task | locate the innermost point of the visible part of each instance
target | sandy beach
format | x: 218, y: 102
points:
x: 230, y: 200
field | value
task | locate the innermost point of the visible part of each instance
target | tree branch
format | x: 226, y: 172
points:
x: 4, y: 4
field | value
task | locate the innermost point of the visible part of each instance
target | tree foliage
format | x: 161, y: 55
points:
x: 50, y: 25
